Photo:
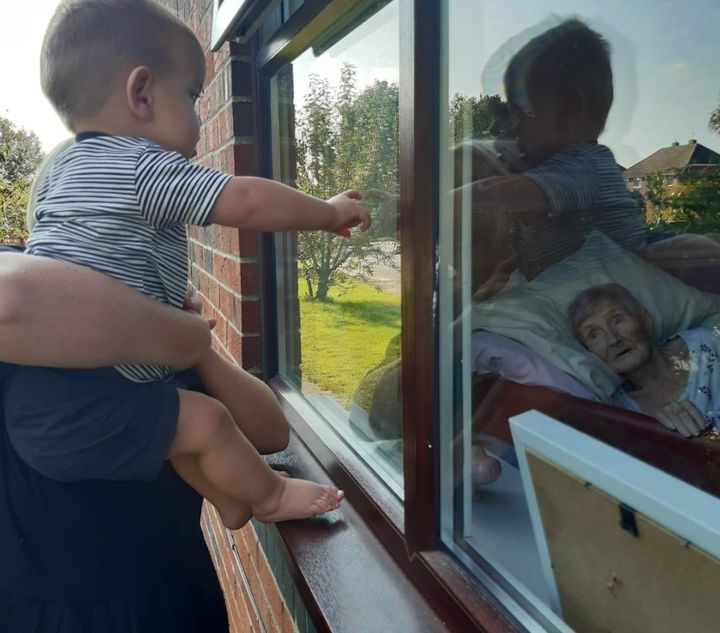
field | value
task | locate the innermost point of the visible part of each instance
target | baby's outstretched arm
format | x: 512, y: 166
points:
x: 514, y: 195
x: 258, y: 204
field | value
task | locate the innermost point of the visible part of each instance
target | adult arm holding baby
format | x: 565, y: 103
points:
x: 57, y: 314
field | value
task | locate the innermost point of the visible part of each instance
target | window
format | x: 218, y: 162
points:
x: 237, y: 18
x: 525, y: 234
x: 453, y: 119
x: 334, y: 127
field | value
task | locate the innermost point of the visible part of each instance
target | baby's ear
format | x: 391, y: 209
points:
x: 138, y: 91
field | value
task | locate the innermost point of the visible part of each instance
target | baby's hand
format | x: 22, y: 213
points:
x: 682, y: 417
x: 348, y: 213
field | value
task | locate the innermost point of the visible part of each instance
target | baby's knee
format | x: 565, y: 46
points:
x: 203, y: 422
x: 215, y: 418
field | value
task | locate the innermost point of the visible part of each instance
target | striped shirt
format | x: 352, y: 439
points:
x: 585, y: 191
x: 120, y: 205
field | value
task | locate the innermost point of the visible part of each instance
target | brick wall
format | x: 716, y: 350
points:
x: 259, y: 592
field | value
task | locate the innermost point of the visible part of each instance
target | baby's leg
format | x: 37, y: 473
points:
x: 251, y: 403
x: 234, y: 514
x: 233, y: 475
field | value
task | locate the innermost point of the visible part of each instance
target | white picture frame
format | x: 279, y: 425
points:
x: 679, y: 507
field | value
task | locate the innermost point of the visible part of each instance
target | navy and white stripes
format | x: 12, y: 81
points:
x: 120, y: 205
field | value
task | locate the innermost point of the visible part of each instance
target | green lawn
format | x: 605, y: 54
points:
x: 346, y: 336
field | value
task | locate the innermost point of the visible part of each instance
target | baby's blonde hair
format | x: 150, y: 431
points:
x: 88, y: 41
x: 39, y: 177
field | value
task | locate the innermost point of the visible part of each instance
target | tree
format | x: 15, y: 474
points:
x: 714, y: 122
x: 694, y: 204
x: 347, y: 139
x: 688, y: 206
x: 484, y: 116
x: 20, y: 151
x: 14, y: 199
x: 20, y: 155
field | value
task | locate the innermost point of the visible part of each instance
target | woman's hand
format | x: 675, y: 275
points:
x: 682, y: 416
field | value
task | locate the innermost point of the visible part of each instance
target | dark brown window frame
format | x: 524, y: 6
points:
x: 409, y: 533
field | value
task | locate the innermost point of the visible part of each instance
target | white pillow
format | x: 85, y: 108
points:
x: 534, y: 313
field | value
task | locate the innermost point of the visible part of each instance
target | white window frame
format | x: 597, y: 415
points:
x: 228, y: 13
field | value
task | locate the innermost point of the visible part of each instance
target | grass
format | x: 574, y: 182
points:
x: 346, y: 336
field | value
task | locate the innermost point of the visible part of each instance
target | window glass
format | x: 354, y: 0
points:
x: 335, y: 127
x: 579, y: 223
x: 280, y: 13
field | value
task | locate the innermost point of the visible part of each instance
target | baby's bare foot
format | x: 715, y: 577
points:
x: 298, y: 499
x: 485, y: 468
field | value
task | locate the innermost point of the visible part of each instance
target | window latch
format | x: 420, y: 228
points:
x: 627, y: 519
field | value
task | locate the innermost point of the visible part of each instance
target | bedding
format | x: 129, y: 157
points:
x: 534, y: 313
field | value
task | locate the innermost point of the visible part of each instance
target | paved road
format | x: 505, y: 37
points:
x: 386, y: 275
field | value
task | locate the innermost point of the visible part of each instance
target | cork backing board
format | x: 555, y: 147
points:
x: 610, y: 581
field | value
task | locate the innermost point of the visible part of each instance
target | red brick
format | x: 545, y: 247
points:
x: 247, y: 243
x: 272, y: 591
x: 249, y: 279
x: 226, y: 270
x: 214, y: 292
x: 234, y: 344
x: 244, y: 159
x: 204, y: 283
x: 220, y: 330
x: 251, y: 352
x: 227, y: 303
x: 247, y: 316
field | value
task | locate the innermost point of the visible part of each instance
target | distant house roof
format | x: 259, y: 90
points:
x: 675, y: 158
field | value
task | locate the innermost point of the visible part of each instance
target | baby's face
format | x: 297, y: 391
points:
x: 536, y: 129
x: 620, y: 339
x: 176, y: 124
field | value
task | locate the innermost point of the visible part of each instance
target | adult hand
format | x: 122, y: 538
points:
x: 192, y: 304
x: 683, y: 417
x: 348, y: 213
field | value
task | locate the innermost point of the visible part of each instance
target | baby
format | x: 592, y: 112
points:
x: 559, y: 88
x: 125, y: 75
x: 676, y: 382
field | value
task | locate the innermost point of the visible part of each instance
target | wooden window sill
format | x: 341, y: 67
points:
x: 351, y: 565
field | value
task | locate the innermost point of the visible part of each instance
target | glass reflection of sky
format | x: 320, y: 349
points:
x: 664, y: 60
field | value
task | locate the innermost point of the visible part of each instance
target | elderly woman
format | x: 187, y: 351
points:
x: 677, y: 381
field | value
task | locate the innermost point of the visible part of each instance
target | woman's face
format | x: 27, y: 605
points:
x: 622, y: 340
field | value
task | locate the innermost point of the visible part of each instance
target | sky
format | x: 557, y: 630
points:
x: 664, y: 59
x: 22, y: 25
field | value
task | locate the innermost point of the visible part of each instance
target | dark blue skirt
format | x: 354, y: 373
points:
x: 103, y: 556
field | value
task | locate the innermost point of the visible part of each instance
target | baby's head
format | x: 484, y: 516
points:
x: 126, y: 65
x: 559, y: 87
x: 612, y: 324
